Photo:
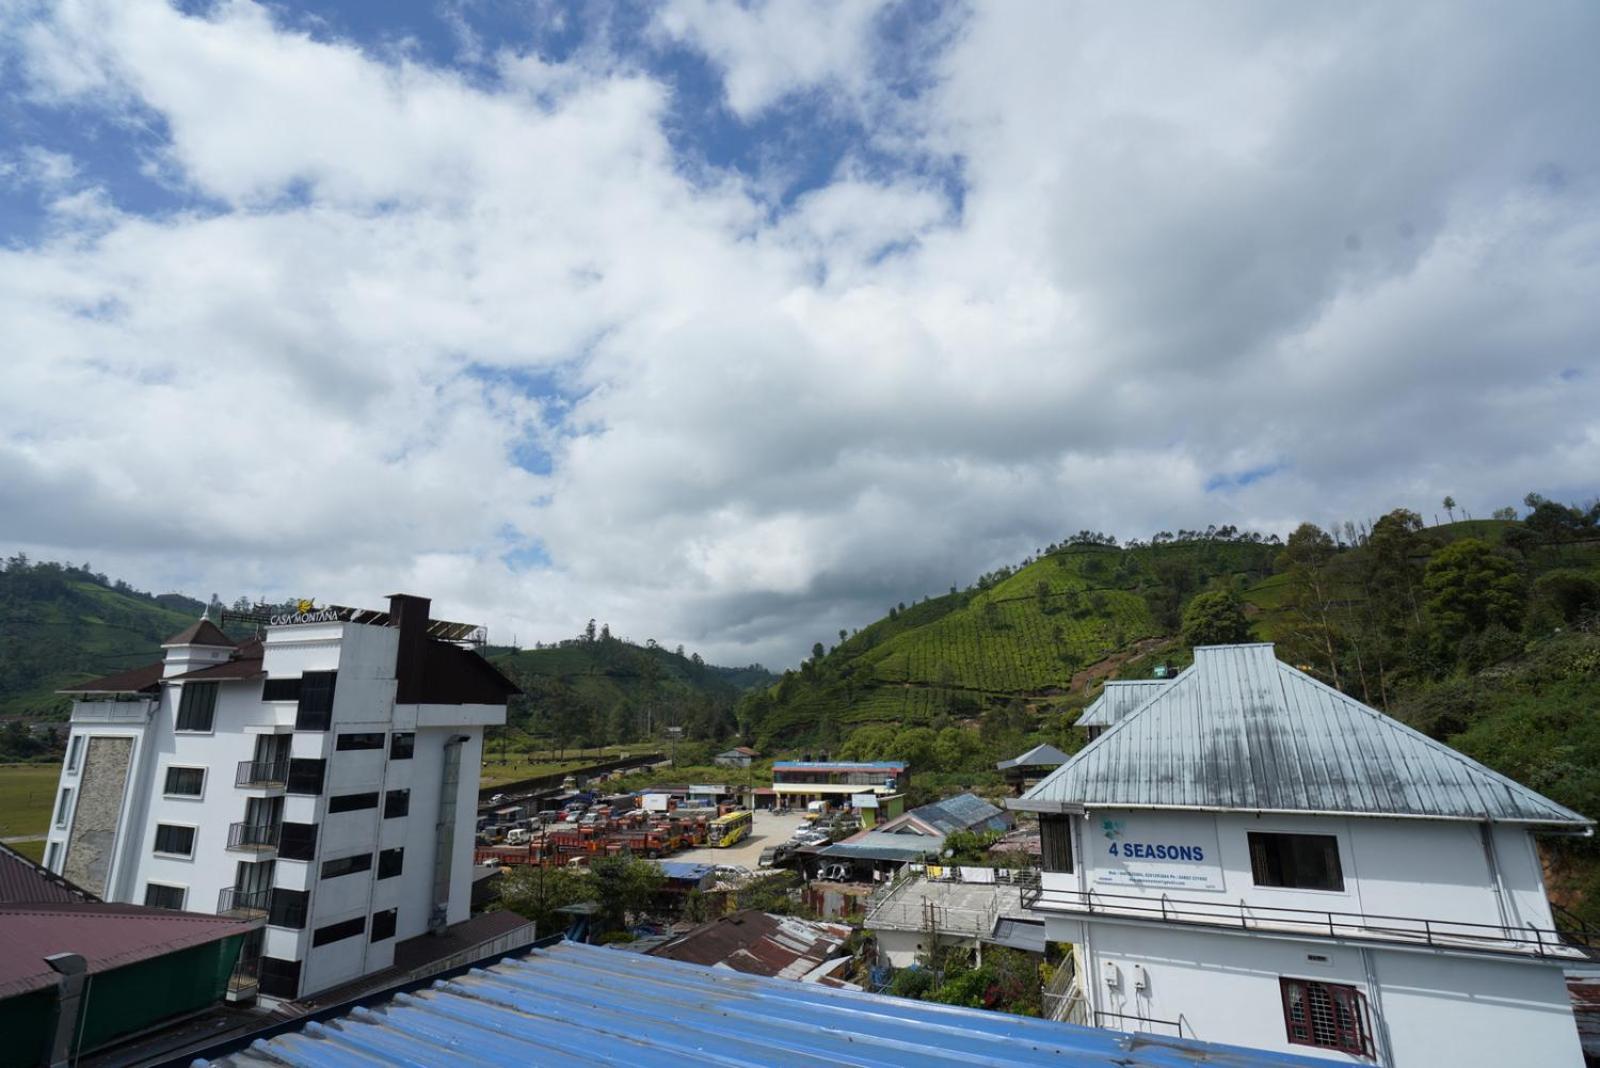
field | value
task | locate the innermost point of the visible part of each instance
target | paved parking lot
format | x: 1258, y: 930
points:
x: 770, y: 829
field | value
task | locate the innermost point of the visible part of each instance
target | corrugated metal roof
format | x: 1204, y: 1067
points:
x: 963, y: 812
x: 1040, y: 756
x: 574, y: 1005
x: 107, y: 936
x: 842, y: 765
x: 1240, y: 730
x: 22, y: 882
x: 883, y: 845
x: 146, y: 679
x: 758, y: 943
x: 1118, y: 699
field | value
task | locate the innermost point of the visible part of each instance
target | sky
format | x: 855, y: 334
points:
x: 732, y: 325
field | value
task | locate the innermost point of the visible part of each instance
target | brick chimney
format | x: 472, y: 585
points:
x: 409, y: 615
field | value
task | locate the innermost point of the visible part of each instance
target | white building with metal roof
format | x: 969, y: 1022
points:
x: 1116, y: 700
x: 1249, y: 856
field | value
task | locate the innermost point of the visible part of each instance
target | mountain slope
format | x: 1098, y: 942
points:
x: 60, y: 625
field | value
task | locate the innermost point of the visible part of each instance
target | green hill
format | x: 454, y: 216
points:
x: 61, y: 624
x: 595, y: 690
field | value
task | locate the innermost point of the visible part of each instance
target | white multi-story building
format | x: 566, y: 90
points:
x: 322, y: 778
x: 1249, y: 856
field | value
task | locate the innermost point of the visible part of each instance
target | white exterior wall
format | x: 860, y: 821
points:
x: 364, y: 657
x: 1434, y: 1008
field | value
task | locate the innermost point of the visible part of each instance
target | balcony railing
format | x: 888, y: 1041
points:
x: 1437, y: 934
x: 254, y: 837
x: 137, y: 711
x: 244, y: 904
x: 245, y: 978
x: 262, y: 774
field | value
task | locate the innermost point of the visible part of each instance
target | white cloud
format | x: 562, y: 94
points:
x: 1219, y: 242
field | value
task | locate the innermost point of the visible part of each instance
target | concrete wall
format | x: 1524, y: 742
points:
x: 1430, y: 1009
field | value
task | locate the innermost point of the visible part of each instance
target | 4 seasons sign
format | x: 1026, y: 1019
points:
x: 1157, y: 853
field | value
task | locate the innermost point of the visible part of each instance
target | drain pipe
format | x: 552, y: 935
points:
x: 69, y: 999
x: 444, y: 833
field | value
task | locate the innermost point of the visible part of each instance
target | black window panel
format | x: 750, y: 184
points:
x: 185, y: 782
x: 305, y: 775
x: 336, y: 932
x: 359, y: 741
x: 298, y: 841
x: 1297, y: 861
x: 332, y: 869
x: 279, y: 978
x: 402, y: 745
x: 1055, y: 843
x: 170, y: 838
x: 281, y: 690
x: 352, y: 802
x: 197, y: 706
x: 157, y: 896
x: 390, y: 863
x: 288, y: 908
x: 315, y: 711
x: 396, y: 803
x: 383, y: 925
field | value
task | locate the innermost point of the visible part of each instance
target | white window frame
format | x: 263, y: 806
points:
x: 52, y: 854
x: 64, y: 808
x: 183, y: 904
x: 74, y: 753
x: 193, y: 842
x: 205, y: 775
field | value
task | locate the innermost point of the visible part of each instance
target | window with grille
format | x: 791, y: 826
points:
x: 1326, y: 1015
x: 185, y: 782
x: 171, y: 838
x: 159, y: 896
x: 197, y: 706
x: 1299, y: 861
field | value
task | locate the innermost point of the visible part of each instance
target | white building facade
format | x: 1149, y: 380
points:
x: 1252, y: 857
x: 322, y: 779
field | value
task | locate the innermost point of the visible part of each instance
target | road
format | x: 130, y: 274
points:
x: 770, y: 829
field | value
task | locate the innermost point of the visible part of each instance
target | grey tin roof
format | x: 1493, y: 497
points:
x: 1241, y: 731
x: 1118, y: 699
x: 1040, y: 756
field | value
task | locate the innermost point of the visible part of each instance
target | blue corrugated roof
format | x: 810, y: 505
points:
x: 963, y: 812
x: 684, y: 869
x: 582, y: 1005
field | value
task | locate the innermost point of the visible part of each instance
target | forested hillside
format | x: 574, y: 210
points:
x: 596, y: 689
x: 60, y: 624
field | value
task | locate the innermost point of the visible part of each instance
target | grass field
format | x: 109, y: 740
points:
x: 27, y: 794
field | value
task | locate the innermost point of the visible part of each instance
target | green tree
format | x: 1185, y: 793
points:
x: 1215, y: 618
x: 1307, y: 559
x: 1041, y: 593
x: 624, y: 885
x: 1450, y: 507
x: 1469, y: 587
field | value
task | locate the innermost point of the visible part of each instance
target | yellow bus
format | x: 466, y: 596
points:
x: 731, y: 829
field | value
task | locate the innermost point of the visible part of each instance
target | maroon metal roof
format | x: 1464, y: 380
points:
x: 24, y: 882
x: 145, y: 679
x: 107, y: 937
x: 452, y: 675
x: 203, y: 632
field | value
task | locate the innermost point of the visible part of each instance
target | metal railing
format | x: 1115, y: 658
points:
x: 1122, y: 1021
x: 112, y: 711
x: 267, y: 774
x: 245, y: 977
x: 254, y: 837
x: 233, y: 901
x: 1241, y: 915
